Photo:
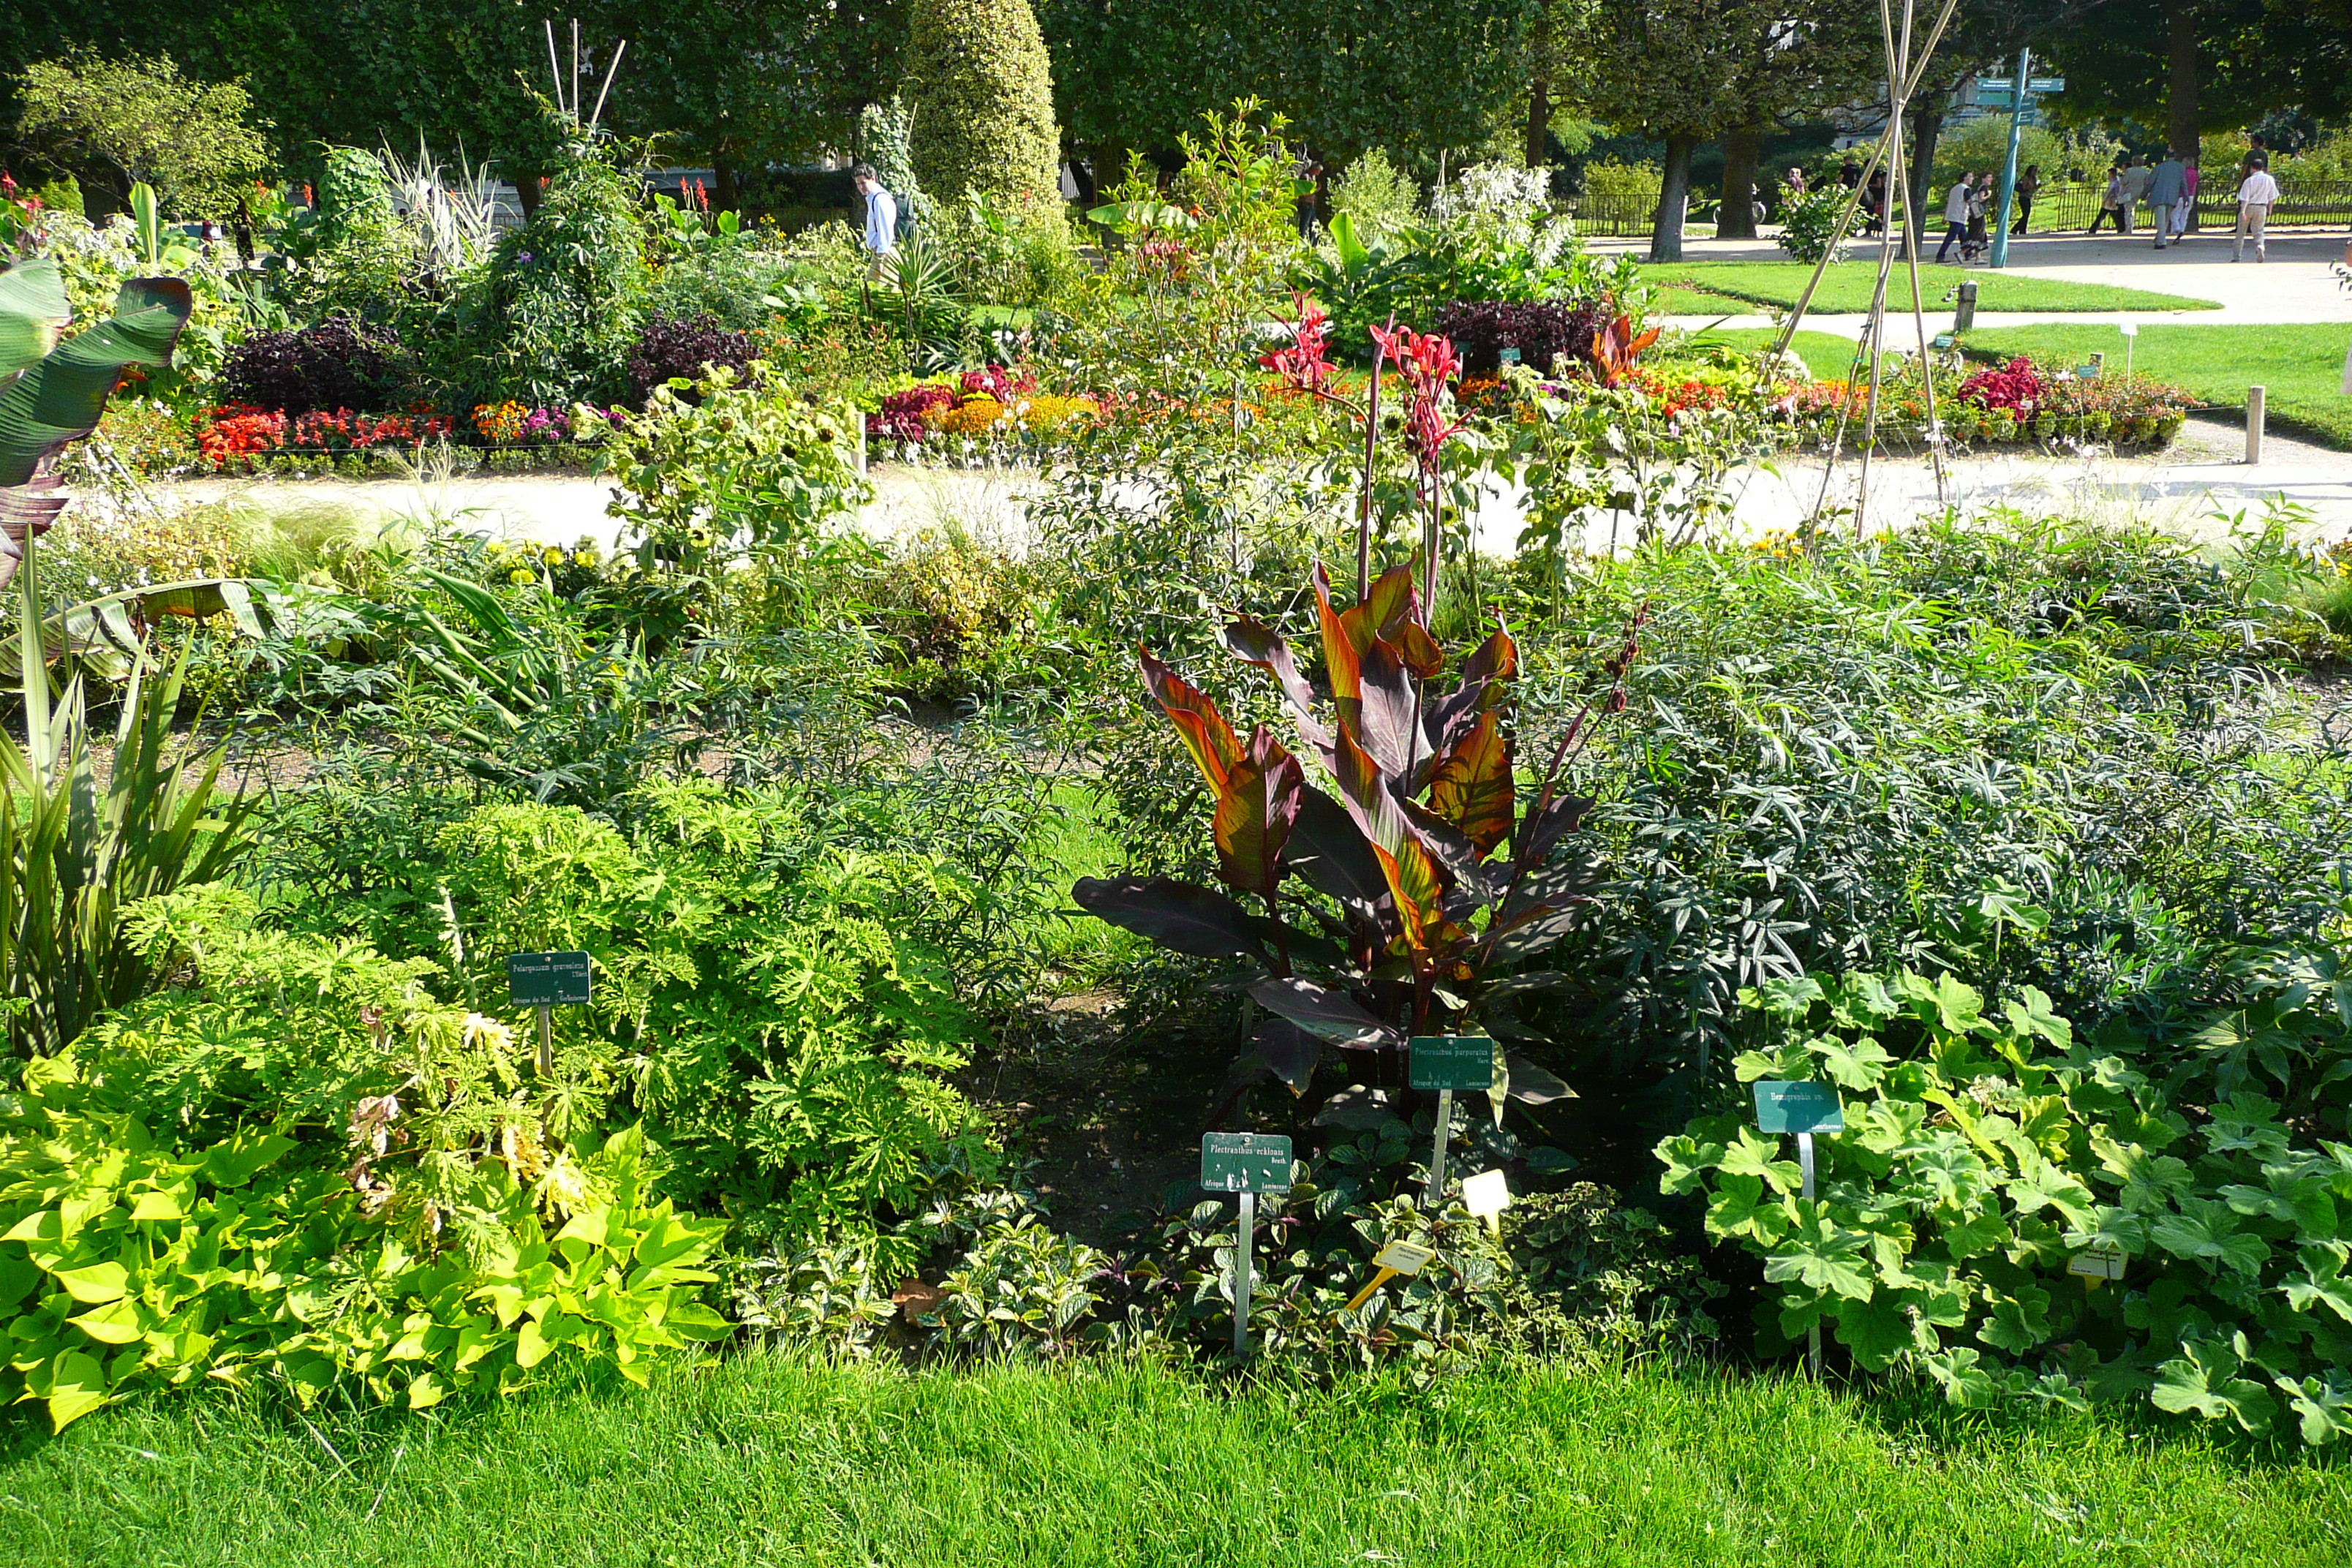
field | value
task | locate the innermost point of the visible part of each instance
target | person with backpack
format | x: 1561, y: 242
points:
x: 881, y: 214
x: 1959, y: 203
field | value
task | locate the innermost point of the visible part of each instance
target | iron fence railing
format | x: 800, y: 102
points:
x: 2073, y: 205
x: 2057, y: 207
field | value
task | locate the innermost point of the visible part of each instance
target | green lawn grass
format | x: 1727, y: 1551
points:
x: 1847, y: 287
x: 2301, y: 367
x: 1829, y: 355
x: 763, y: 1460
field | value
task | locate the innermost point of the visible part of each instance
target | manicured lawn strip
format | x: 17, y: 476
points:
x: 2301, y: 367
x: 1829, y: 355
x: 771, y: 1461
x: 1847, y: 287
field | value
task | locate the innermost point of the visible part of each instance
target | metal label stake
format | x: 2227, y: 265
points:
x: 546, y: 980
x: 1802, y: 1109
x: 1448, y: 1063
x: 1247, y: 1163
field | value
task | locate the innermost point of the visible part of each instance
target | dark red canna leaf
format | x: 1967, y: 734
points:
x: 1327, y: 1015
x: 1206, y: 734
x: 1179, y: 916
x: 1257, y: 643
x: 1472, y: 787
x: 1289, y: 1052
x: 1254, y: 812
x: 1331, y: 852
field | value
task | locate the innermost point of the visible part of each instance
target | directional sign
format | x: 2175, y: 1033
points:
x: 1245, y: 1163
x: 1807, y: 1108
x: 2045, y: 84
x: 1464, y: 1063
x: 547, y: 979
x: 1995, y: 86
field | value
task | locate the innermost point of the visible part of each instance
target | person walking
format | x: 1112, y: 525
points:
x: 881, y: 216
x: 1874, y: 203
x: 1972, y: 249
x: 2135, y: 179
x: 2027, y: 185
x: 2189, y: 198
x: 2256, y: 193
x: 1849, y: 172
x: 2111, y: 204
x: 2165, y: 184
x: 1957, y: 203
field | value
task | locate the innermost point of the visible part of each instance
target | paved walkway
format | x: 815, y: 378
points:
x: 2202, y: 475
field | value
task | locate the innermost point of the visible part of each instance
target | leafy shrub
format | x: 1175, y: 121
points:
x: 1967, y: 710
x: 1981, y: 1152
x: 1374, y: 195
x: 565, y: 289
x: 1008, y: 255
x: 786, y: 1045
x: 296, y: 1163
x: 982, y: 85
x: 1809, y: 223
x: 749, y: 466
x: 684, y: 348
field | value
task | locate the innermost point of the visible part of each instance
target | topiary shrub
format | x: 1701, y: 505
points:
x: 335, y: 363
x: 672, y: 348
x: 566, y: 288
x: 983, y: 94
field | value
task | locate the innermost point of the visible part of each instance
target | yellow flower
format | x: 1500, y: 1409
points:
x: 552, y: 556
x: 520, y: 577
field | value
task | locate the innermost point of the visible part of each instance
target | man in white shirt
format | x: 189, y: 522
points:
x: 1956, y: 206
x: 881, y: 213
x: 2256, y: 192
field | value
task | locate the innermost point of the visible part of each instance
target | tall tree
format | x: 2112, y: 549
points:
x: 2188, y: 66
x: 1417, y: 77
x: 1683, y: 71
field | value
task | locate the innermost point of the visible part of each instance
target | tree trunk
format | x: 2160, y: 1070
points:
x: 1538, y: 148
x: 527, y: 193
x: 103, y: 194
x: 2180, y: 79
x: 1666, y: 229
x: 726, y: 191
x: 1738, y: 220
x: 1926, y: 126
x: 1084, y: 174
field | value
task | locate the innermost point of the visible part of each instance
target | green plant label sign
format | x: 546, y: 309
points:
x: 547, y: 979
x: 1508, y: 356
x: 1458, y: 1062
x: 1806, y: 1107
x: 1245, y: 1163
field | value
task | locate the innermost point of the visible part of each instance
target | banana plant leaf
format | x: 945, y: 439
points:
x: 108, y: 636
x: 58, y: 398
x: 32, y: 308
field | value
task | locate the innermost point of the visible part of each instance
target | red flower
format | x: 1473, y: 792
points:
x: 1428, y: 362
x: 1304, y: 365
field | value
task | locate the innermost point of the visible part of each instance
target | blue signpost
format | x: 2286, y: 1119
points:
x: 2021, y: 91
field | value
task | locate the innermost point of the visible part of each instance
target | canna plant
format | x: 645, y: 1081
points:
x: 1413, y: 891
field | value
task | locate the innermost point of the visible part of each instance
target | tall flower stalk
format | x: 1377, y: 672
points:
x: 1428, y: 362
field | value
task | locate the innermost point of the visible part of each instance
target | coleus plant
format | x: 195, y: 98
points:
x: 1396, y: 901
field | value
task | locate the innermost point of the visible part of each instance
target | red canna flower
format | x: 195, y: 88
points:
x: 1305, y: 367
x: 1428, y: 362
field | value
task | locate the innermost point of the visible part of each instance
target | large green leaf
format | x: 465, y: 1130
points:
x: 32, y: 308
x: 106, y: 634
x: 59, y: 399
